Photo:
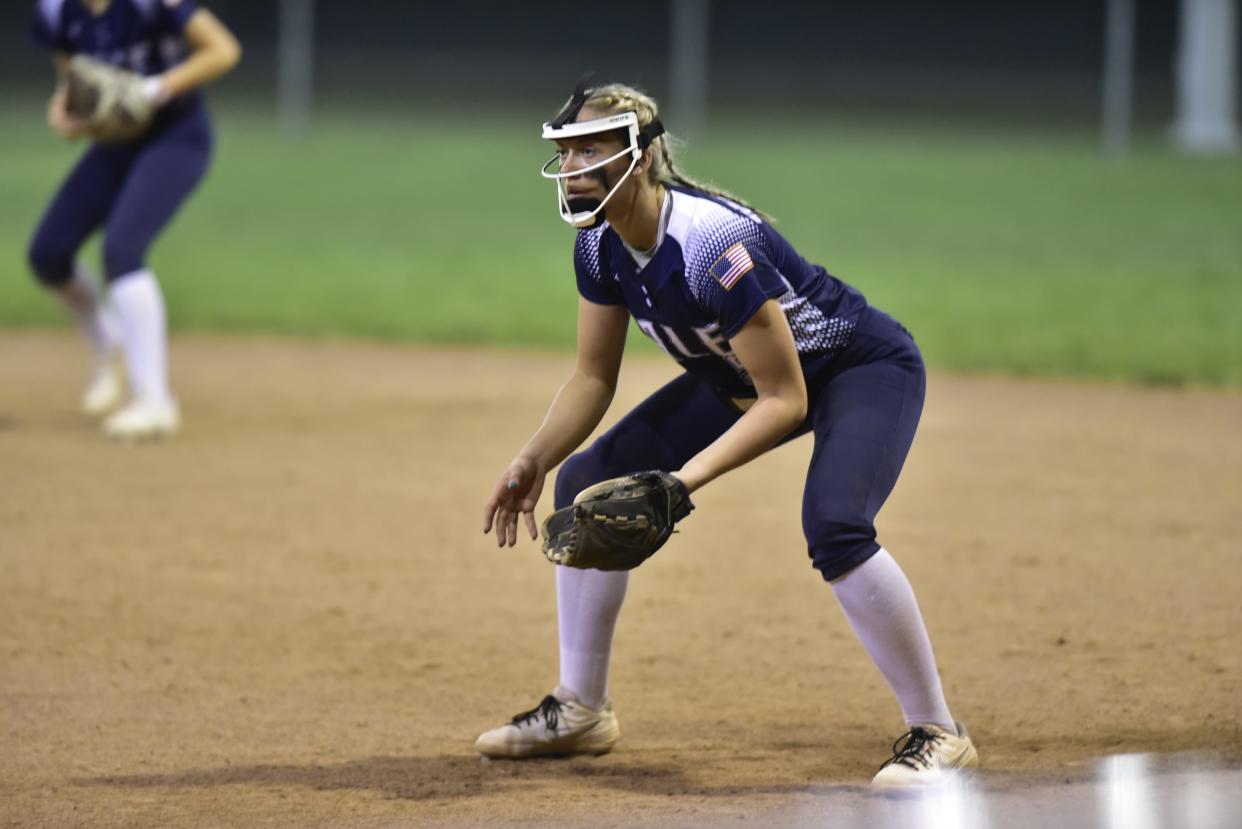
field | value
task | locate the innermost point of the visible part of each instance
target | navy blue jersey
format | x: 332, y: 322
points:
x: 716, y: 265
x: 144, y: 36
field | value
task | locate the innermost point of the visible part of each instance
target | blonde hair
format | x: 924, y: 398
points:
x: 616, y: 98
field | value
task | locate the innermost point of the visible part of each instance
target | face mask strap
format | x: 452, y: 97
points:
x: 650, y: 133
x: 576, y: 102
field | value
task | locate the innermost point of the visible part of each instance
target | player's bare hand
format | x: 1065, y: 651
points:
x: 61, y: 122
x: 516, y: 493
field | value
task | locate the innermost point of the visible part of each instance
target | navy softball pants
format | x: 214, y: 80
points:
x: 131, y: 190
x: 863, y: 414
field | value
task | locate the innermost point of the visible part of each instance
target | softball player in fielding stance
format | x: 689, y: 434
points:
x: 773, y: 347
x: 130, y: 189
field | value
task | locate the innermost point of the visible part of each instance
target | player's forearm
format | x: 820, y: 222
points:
x: 766, y: 422
x: 575, y: 412
x: 201, y: 68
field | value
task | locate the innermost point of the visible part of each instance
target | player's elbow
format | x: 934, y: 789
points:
x: 224, y: 50
x: 794, y: 400
x: 797, y: 405
x: 230, y: 53
x: 786, y: 405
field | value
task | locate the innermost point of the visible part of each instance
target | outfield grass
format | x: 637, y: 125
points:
x: 1010, y: 253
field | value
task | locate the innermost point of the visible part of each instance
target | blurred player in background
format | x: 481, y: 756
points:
x: 773, y: 347
x: 130, y: 189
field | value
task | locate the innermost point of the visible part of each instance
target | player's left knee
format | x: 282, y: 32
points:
x: 837, y: 548
x: 122, y: 256
x: 51, y: 254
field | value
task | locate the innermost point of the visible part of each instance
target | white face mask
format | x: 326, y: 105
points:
x: 627, y: 121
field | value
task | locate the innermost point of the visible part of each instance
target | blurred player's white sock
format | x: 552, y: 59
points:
x: 97, y: 321
x: 880, y: 605
x: 588, y: 603
x: 144, y: 334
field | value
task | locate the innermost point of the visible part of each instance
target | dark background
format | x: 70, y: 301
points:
x: 1021, y: 59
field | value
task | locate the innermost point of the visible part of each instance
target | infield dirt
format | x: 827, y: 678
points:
x: 289, y: 616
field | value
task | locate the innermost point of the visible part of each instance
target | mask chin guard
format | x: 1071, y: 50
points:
x: 564, y: 126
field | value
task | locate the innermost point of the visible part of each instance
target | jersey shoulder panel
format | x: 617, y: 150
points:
x: 594, y: 276
x: 174, y: 14
x: 47, y: 16
x: 586, y: 251
x: 706, y: 228
x: 147, y: 9
x: 166, y: 15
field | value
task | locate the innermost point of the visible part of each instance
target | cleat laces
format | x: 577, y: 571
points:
x: 549, y: 709
x: 917, y: 749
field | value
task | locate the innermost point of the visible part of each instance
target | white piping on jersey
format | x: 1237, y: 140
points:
x: 50, y: 9
x: 684, y: 212
x: 705, y: 229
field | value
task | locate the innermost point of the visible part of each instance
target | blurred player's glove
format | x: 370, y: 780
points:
x: 616, y: 524
x: 115, y: 104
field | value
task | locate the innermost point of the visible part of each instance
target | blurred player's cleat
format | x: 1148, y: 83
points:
x: 105, y: 389
x: 929, y: 757
x: 559, y: 725
x: 143, y: 419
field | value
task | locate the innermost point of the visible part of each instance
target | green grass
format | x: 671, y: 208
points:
x: 1012, y: 253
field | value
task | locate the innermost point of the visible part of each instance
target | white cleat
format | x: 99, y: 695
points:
x: 560, y: 725
x: 930, y: 757
x: 105, y: 389
x: 143, y: 419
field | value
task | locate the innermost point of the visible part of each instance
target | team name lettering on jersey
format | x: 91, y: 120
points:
x: 711, y: 343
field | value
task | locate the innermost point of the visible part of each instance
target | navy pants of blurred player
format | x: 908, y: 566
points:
x: 863, y: 414
x: 131, y: 190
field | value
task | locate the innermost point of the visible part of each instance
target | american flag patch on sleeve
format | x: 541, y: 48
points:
x: 732, y: 266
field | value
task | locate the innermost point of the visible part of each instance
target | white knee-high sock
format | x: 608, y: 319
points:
x: 144, y: 334
x: 587, y: 605
x: 880, y: 605
x: 97, y: 321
